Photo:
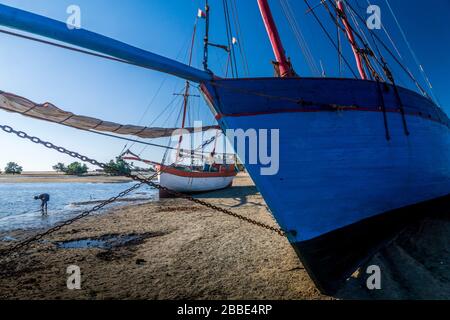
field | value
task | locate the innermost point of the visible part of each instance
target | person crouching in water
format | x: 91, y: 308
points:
x: 45, y: 198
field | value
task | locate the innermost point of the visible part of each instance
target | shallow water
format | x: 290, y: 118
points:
x: 105, y: 242
x: 19, y: 210
x: 84, y: 243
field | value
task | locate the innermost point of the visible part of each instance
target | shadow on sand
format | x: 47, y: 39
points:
x: 240, y: 194
x: 414, y: 266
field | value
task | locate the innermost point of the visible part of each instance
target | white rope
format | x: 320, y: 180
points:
x: 239, y: 36
x: 413, y: 54
x: 387, y: 34
x: 293, y: 23
x: 376, y: 66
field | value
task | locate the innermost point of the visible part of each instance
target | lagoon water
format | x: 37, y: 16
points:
x: 19, y: 210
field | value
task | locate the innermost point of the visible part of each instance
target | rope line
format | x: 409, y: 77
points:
x: 413, y: 54
x: 330, y: 38
x: 54, y: 44
x: 235, y: 15
x: 302, y: 43
x: 234, y: 70
x: 405, y: 69
x: 140, y: 181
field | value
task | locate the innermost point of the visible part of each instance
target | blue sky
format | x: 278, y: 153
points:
x: 112, y: 91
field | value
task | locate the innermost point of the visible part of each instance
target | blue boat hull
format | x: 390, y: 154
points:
x: 352, y: 153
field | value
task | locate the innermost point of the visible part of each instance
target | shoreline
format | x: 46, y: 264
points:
x: 185, y: 251
x: 194, y: 253
x: 53, y: 177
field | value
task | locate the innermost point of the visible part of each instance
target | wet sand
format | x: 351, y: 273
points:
x: 53, y: 177
x: 189, y: 252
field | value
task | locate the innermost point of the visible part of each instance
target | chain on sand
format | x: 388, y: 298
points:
x: 141, y: 181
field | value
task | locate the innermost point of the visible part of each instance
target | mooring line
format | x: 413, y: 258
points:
x: 140, y: 181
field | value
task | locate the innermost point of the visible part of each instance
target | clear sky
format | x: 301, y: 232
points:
x: 126, y: 94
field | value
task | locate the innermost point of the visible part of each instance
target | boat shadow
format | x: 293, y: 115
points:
x: 240, y: 194
x: 414, y: 266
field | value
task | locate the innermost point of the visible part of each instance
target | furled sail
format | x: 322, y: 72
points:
x: 48, y: 112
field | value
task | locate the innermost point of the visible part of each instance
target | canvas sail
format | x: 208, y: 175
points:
x: 49, y: 112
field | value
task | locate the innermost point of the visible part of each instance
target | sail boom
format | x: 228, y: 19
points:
x: 39, y: 25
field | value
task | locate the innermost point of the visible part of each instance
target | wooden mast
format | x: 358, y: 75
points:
x: 186, y: 91
x: 283, y: 65
x: 351, y: 38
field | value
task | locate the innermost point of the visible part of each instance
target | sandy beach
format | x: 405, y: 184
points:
x: 184, y: 251
x: 53, y: 177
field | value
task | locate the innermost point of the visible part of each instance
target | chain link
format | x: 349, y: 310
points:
x: 58, y: 227
x: 141, y: 181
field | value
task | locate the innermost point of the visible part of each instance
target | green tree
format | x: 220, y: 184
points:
x: 118, y: 168
x: 13, y: 168
x: 60, y: 167
x: 76, y: 169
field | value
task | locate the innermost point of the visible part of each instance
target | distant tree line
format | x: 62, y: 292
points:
x: 13, y: 168
x: 116, y: 167
x: 73, y: 169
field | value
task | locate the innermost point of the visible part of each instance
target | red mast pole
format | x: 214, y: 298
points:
x: 351, y: 38
x: 285, y: 68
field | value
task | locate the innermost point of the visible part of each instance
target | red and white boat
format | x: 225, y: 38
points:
x: 186, y: 180
x: 209, y: 176
x: 190, y: 179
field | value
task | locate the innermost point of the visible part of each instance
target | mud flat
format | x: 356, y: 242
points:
x: 172, y: 249
x: 53, y: 177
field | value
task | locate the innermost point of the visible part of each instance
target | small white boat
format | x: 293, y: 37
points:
x: 187, y: 179
x: 209, y: 174
x: 183, y: 179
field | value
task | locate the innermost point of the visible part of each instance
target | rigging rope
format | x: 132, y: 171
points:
x: 302, y: 43
x: 384, y: 29
x: 87, y: 52
x: 159, y: 89
x: 363, y: 54
x: 374, y: 41
x: 149, y: 105
x: 338, y: 32
x: 240, y: 37
x: 376, y: 72
x: 405, y: 69
x: 413, y: 54
x: 134, y: 141
x: 229, y: 39
x: 148, y: 181
x: 129, y: 139
x: 330, y: 38
x: 383, y: 63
